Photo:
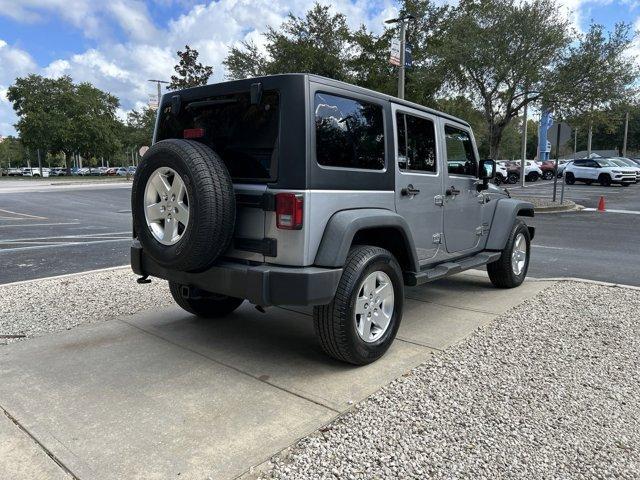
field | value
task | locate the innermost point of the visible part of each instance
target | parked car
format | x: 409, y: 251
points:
x: 14, y: 172
x: 320, y: 193
x: 35, y: 172
x: 625, y: 162
x: 58, y: 172
x: 601, y: 170
x: 121, y: 172
x: 548, y: 168
x: 501, y: 174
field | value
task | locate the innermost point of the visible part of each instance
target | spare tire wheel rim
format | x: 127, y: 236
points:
x: 166, y: 206
x: 374, y: 306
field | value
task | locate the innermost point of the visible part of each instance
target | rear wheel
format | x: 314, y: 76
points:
x: 361, y: 322
x: 513, y: 178
x: 511, y: 268
x: 548, y: 175
x: 604, y: 180
x: 569, y: 178
x: 205, y: 304
x: 533, y: 177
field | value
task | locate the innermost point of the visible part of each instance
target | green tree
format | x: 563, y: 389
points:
x: 501, y: 53
x: 56, y: 115
x: 595, y: 74
x: 12, y: 153
x: 189, y: 72
x: 317, y: 43
x: 139, y: 127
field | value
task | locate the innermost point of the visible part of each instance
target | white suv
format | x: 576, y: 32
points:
x: 600, y: 170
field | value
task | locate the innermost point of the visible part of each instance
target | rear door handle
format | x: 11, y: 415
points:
x: 409, y: 190
x: 452, y: 191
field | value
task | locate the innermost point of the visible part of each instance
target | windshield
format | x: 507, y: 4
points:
x: 245, y: 135
x: 606, y: 163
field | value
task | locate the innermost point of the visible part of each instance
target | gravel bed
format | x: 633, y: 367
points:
x: 54, y: 304
x: 548, y: 390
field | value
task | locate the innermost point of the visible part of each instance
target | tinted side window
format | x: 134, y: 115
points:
x: 349, y: 133
x: 461, y: 160
x: 416, y: 143
x: 579, y: 163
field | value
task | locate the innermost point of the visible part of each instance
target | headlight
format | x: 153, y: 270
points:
x: 616, y: 171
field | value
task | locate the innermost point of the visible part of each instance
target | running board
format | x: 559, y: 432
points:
x: 449, y: 268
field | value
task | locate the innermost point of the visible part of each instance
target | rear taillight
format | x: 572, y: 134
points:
x: 289, y: 208
x: 193, y: 133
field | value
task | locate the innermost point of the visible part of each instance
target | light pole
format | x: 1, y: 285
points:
x: 524, y: 144
x: 626, y: 133
x: 159, y: 88
x: 403, y: 45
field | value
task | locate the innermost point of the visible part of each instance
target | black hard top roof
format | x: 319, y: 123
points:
x: 333, y: 83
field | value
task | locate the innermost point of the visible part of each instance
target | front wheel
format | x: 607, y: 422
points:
x: 548, y: 175
x: 569, y: 178
x: 361, y: 322
x: 533, y: 177
x: 513, y: 178
x: 511, y: 268
x: 205, y: 304
x: 604, y: 180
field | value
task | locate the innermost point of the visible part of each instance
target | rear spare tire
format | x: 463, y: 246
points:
x: 183, y: 205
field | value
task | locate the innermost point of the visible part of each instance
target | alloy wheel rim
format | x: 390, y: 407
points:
x: 519, y: 254
x: 166, y: 206
x: 374, y: 306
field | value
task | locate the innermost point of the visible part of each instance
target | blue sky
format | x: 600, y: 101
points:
x: 119, y: 44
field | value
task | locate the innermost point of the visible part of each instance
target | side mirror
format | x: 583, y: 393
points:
x: 487, y: 171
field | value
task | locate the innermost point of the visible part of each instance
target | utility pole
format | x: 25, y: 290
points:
x: 575, y: 143
x: 403, y: 47
x: 589, y: 136
x: 158, y: 82
x: 524, y: 144
x: 626, y: 133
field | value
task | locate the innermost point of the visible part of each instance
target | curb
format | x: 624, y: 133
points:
x: 560, y: 209
x: 583, y: 280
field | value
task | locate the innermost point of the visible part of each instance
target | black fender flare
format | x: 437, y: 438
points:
x: 504, y: 216
x: 343, y: 226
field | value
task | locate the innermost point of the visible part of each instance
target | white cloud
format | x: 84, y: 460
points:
x: 15, y: 62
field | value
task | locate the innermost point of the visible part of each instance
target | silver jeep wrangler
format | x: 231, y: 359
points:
x: 300, y: 190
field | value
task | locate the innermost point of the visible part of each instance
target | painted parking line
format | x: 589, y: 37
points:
x: 67, y: 237
x: 58, y: 245
x: 549, y: 247
x: 608, y: 210
x: 24, y: 215
x: 40, y: 224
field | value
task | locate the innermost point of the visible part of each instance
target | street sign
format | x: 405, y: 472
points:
x: 143, y: 150
x: 394, y: 54
x: 565, y: 134
x: 153, y: 102
x: 408, y: 59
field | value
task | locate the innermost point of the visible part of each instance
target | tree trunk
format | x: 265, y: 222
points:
x: 495, y: 139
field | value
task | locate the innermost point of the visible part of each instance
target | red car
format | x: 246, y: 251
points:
x: 548, y: 168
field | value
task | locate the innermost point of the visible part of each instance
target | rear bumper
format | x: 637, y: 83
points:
x: 261, y: 284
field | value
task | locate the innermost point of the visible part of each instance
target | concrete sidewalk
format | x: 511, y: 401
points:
x: 165, y: 395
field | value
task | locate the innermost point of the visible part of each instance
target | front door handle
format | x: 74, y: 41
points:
x: 409, y: 190
x: 452, y: 191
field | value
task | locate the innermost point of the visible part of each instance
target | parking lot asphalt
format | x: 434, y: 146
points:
x: 52, y: 230
x: 46, y: 231
x: 587, y: 244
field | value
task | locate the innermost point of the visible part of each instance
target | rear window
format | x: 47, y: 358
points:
x: 244, y: 135
x: 349, y: 132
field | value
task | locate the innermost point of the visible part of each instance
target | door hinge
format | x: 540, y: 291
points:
x: 438, y: 238
x: 438, y: 200
x: 482, y: 229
